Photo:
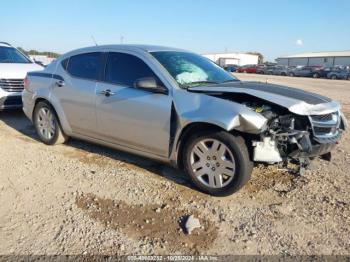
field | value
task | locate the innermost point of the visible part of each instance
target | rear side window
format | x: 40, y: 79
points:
x: 64, y: 63
x: 125, y: 69
x: 85, y: 65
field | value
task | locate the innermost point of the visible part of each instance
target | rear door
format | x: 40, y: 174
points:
x: 131, y: 117
x: 77, y: 91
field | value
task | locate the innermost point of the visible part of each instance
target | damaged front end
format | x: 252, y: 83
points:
x: 285, y: 124
x: 295, y: 137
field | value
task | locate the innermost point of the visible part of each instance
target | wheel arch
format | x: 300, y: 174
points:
x: 61, y: 121
x: 186, y: 133
x: 194, y: 127
x: 42, y: 99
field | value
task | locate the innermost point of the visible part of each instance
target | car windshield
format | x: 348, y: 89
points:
x: 12, y: 55
x: 190, y: 69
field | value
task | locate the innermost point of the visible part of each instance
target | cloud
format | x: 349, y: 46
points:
x: 299, y: 42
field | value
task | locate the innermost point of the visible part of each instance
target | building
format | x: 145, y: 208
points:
x: 45, y: 60
x: 328, y: 59
x: 240, y: 59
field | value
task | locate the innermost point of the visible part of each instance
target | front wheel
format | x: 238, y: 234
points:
x: 333, y: 77
x: 47, y: 125
x: 218, y: 163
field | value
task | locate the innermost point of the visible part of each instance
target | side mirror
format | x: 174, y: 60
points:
x: 150, y: 84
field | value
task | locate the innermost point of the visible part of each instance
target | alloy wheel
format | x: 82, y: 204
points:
x: 46, y: 123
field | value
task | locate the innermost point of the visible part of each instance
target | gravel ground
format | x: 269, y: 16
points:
x: 81, y: 198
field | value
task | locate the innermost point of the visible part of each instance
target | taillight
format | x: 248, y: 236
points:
x: 26, y: 83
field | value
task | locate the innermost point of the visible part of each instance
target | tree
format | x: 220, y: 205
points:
x: 261, y: 57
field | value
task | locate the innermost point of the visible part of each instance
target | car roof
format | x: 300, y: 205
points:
x: 135, y: 48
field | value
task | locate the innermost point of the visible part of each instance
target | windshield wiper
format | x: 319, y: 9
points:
x: 232, y: 80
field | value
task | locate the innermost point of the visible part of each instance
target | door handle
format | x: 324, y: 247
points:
x: 107, y: 93
x: 60, y: 83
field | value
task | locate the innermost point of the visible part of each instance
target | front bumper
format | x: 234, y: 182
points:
x: 299, y: 146
x: 315, y: 151
x: 11, y: 102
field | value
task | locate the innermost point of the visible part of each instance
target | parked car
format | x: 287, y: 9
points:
x: 231, y: 68
x: 275, y: 70
x: 338, y: 73
x: 263, y: 69
x: 308, y: 71
x: 251, y: 69
x: 321, y: 72
x: 180, y: 108
x: 280, y: 70
x: 13, y: 68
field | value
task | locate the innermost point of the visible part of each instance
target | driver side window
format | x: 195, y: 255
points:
x: 124, y: 69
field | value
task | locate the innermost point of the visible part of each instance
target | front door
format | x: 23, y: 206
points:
x: 128, y: 116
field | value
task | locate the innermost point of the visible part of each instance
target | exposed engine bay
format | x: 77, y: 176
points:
x: 288, y: 136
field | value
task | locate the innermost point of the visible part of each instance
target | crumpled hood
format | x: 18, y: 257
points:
x: 295, y: 100
x: 17, y: 71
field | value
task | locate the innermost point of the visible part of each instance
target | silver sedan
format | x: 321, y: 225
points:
x: 178, y: 107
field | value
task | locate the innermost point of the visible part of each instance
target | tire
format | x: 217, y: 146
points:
x: 315, y: 75
x: 283, y: 74
x: 204, y: 171
x: 245, y: 71
x: 333, y: 77
x: 348, y: 78
x: 291, y: 75
x: 48, y: 134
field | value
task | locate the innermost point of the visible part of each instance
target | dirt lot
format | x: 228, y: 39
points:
x: 82, y: 198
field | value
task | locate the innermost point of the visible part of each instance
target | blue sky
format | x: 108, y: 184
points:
x: 272, y: 27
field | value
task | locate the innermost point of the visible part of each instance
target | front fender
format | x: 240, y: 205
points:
x: 197, y: 107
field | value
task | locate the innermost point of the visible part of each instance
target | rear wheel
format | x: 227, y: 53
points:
x: 333, y: 77
x: 315, y: 75
x: 348, y: 77
x: 218, y: 163
x: 47, y: 125
x: 291, y: 74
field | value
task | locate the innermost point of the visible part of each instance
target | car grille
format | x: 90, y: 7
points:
x: 325, y: 127
x: 327, y: 117
x: 12, y: 85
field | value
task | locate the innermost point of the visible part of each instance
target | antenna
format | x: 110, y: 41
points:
x: 93, y: 39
